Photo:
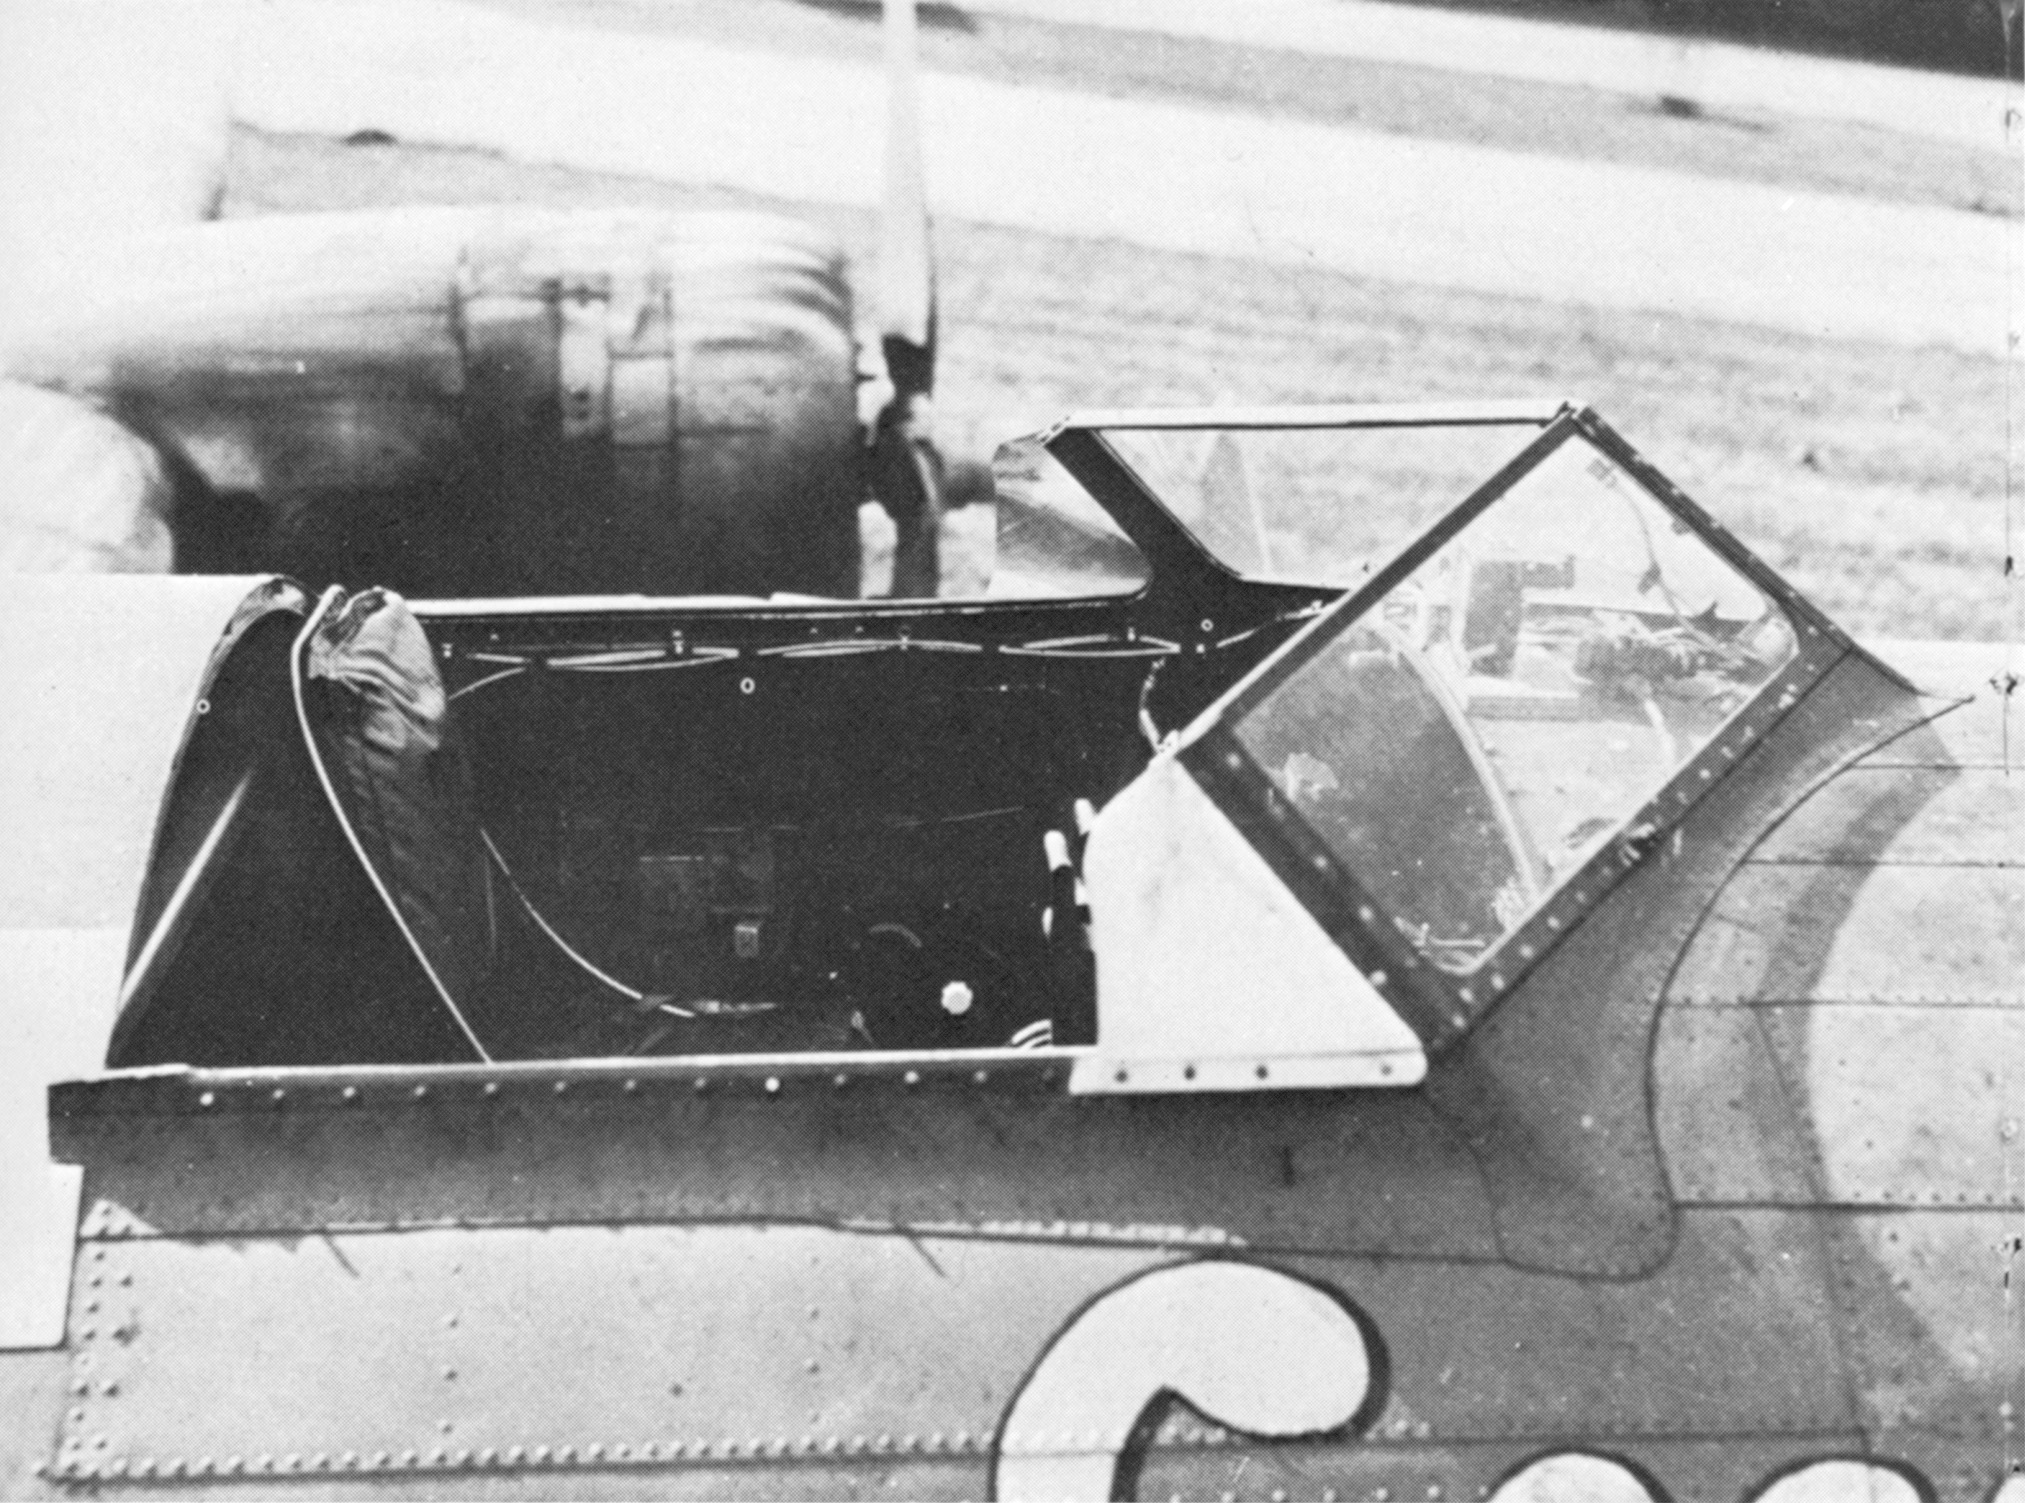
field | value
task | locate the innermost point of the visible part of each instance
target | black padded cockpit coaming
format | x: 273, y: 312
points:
x: 260, y: 939
x: 563, y: 861
x: 377, y: 723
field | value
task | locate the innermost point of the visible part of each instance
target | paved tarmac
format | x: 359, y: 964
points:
x: 1719, y: 76
x: 1168, y: 175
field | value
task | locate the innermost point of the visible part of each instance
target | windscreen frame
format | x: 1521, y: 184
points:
x: 1442, y: 1005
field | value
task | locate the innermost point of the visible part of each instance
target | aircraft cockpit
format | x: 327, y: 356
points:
x: 1356, y: 710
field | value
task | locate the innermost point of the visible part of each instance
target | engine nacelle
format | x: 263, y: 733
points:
x: 489, y: 402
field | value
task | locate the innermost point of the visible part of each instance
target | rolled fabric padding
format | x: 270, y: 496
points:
x: 402, y: 780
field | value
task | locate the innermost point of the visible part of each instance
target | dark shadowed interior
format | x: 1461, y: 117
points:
x: 597, y: 855
x: 811, y: 856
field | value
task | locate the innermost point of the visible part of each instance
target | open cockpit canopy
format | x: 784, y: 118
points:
x: 796, y: 829
x: 1519, y: 695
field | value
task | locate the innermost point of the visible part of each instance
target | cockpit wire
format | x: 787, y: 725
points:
x: 659, y: 662
x: 646, y: 660
x: 852, y: 646
x: 583, y: 963
x: 1284, y: 618
x: 489, y: 679
x: 298, y: 675
x: 1098, y: 645
x: 1723, y: 651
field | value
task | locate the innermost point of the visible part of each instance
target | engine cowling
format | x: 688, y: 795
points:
x: 491, y: 402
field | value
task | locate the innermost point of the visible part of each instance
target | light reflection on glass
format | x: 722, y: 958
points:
x: 1510, y: 706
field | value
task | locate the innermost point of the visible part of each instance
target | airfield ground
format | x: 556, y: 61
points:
x: 1872, y: 472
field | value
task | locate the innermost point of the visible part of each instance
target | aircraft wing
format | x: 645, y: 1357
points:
x: 101, y: 676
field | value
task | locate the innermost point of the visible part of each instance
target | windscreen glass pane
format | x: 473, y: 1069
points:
x: 1313, y: 505
x: 1506, y: 710
x: 1051, y: 539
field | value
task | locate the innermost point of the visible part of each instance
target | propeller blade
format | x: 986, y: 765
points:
x: 906, y: 270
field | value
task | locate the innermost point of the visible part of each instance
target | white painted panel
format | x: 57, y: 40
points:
x: 97, y: 679
x: 1248, y: 1347
x: 1210, y: 974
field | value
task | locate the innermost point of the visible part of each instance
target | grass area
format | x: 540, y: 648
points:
x: 1961, y: 35
x: 1431, y: 103
x: 1873, y: 476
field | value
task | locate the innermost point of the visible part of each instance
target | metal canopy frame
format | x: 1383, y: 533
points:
x: 1537, y: 411
x: 1441, y: 1006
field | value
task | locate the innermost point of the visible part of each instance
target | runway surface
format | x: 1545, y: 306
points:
x: 1163, y: 174
x: 1714, y: 75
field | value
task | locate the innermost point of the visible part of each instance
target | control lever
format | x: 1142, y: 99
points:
x: 1072, y: 966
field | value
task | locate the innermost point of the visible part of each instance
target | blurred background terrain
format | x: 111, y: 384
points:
x: 1875, y: 473
x: 1791, y: 276
x: 1962, y: 35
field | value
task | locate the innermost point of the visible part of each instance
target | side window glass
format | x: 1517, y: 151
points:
x: 1367, y: 745
x: 1052, y: 539
x: 1323, y: 505
x: 1508, y: 707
